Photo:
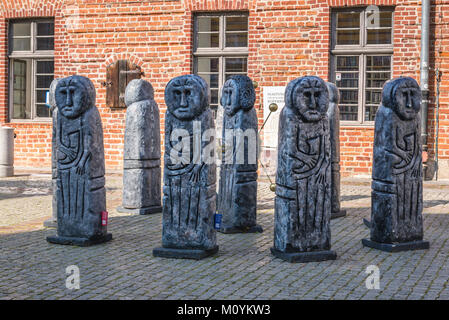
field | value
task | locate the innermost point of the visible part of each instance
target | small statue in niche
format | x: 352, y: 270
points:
x: 303, y: 178
x: 189, y: 192
x: 237, y: 197
x: 81, y: 194
x: 52, y: 222
x: 333, y: 114
x: 142, y: 151
x: 397, y: 187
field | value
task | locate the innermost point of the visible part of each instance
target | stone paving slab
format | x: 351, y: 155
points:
x: 124, y: 268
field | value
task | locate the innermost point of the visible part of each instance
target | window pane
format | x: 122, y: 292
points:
x: 379, y: 36
x: 383, y: 20
x: 370, y: 112
x: 21, y: 29
x: 386, y: 19
x: 208, y: 24
x: 214, y: 96
x: 378, y: 63
x: 347, y: 37
x: 237, y: 23
x: 348, y: 20
x: 208, y: 40
x: 348, y: 113
x: 20, y: 110
x: 41, y: 96
x: 45, y: 67
x: 42, y: 111
x: 378, y: 71
x: 237, y: 39
x: 45, y: 44
x: 43, y: 81
x: 236, y: 65
x: 21, y: 44
x: 45, y: 28
x: 350, y: 63
x: 207, y: 64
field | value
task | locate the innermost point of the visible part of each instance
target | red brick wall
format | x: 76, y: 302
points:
x: 287, y: 39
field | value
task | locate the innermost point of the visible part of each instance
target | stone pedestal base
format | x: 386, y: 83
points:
x: 253, y: 229
x: 314, y: 256
x: 367, y: 223
x: 396, y: 247
x: 142, y: 211
x: 81, y: 242
x: 196, y: 254
x: 51, y: 223
x: 340, y: 214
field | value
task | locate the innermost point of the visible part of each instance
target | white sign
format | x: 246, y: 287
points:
x: 270, y: 131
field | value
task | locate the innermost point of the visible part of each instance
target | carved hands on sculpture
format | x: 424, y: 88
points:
x: 196, y: 172
x: 307, y: 159
x: 65, y: 152
x: 402, y: 155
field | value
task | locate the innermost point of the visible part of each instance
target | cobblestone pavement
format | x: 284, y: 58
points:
x: 31, y: 268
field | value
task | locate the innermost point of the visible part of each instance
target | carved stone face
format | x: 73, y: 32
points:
x: 230, y: 97
x: 73, y: 96
x: 310, y: 99
x: 185, y: 97
x: 407, y: 100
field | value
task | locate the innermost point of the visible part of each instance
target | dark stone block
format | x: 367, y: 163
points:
x: 397, y: 186
x: 237, y: 196
x: 80, y: 191
x: 230, y: 230
x: 141, y: 211
x: 142, y: 149
x: 339, y: 214
x: 302, y: 257
x: 81, y: 242
x: 174, y: 253
x: 189, y: 201
x: 396, y: 247
x: 303, y: 177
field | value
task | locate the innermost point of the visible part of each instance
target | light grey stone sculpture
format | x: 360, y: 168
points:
x: 81, y: 194
x: 237, y: 196
x: 142, y: 151
x: 189, y: 191
x: 333, y: 114
x: 303, y: 177
x: 397, y: 186
x: 52, y: 222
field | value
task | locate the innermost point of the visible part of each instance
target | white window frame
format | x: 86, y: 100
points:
x: 32, y: 56
x: 362, y: 50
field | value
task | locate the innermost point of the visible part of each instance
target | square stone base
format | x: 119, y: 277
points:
x: 314, y: 256
x: 81, y: 242
x: 196, y: 254
x: 253, y: 229
x: 396, y: 247
x: 340, y: 214
x: 141, y: 211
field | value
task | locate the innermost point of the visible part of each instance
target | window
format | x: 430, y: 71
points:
x: 362, y: 49
x: 220, y: 50
x: 31, y: 45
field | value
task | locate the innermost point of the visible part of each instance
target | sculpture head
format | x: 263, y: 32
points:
x: 238, y: 93
x: 74, y: 96
x: 186, y: 96
x: 334, y: 94
x: 51, y: 95
x: 403, y: 96
x: 138, y: 90
x: 308, y: 97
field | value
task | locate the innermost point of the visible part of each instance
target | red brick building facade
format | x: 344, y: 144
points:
x: 286, y: 39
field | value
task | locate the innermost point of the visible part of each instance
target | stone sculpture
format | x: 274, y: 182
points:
x: 81, y: 194
x: 142, y: 151
x: 52, y: 222
x: 237, y: 196
x: 189, y: 191
x: 303, y: 177
x: 397, y: 187
x: 333, y: 114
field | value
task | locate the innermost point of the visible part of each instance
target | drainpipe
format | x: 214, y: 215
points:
x: 425, y: 26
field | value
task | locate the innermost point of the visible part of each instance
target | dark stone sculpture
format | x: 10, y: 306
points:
x: 189, y: 199
x: 52, y: 222
x: 303, y: 178
x: 142, y: 151
x: 81, y: 195
x: 333, y: 114
x: 397, y: 198
x: 237, y: 196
